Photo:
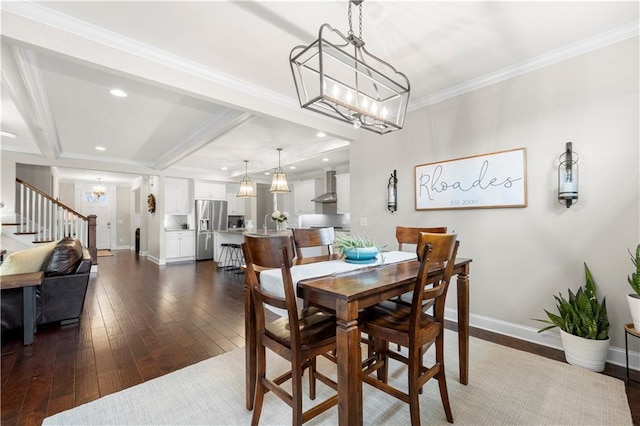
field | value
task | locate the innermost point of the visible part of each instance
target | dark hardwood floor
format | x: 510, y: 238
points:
x: 141, y: 321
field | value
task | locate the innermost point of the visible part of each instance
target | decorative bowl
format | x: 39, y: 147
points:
x: 361, y: 253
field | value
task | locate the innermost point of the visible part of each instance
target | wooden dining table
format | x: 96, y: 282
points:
x: 346, y: 294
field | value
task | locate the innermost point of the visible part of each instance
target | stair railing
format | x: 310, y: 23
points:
x: 50, y: 219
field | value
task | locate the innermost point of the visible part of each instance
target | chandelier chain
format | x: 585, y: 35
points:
x: 350, y: 33
x: 360, y: 9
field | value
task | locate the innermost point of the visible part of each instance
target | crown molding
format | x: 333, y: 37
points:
x: 48, y: 17
x: 213, y: 129
x: 71, y: 25
x: 570, y: 51
x: 27, y: 63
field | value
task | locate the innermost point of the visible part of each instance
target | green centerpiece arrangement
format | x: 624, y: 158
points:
x: 583, y: 324
x: 356, y: 247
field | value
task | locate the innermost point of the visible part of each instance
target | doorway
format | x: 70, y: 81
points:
x: 102, y: 207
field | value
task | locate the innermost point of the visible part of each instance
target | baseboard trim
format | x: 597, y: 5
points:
x: 615, y: 356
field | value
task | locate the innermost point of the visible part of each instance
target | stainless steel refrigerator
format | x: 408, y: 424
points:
x: 211, y: 216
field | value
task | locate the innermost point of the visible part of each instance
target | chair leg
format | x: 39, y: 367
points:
x: 296, y: 392
x: 382, y: 349
x: 312, y: 379
x: 259, y: 397
x: 413, y: 388
x: 442, y: 381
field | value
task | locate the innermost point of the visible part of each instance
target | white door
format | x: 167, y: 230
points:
x: 101, y: 207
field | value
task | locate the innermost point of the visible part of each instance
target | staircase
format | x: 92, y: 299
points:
x: 44, y: 219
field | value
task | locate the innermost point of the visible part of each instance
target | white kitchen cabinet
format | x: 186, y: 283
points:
x: 235, y: 205
x: 177, y: 196
x: 303, y: 192
x: 180, y: 246
x: 205, y: 190
x: 343, y: 193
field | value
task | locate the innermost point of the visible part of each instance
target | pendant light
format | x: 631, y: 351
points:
x: 279, y: 183
x: 98, y: 190
x: 336, y: 76
x: 246, y: 186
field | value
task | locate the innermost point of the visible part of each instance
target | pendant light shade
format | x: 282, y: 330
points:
x: 336, y: 76
x: 279, y: 184
x: 246, y: 186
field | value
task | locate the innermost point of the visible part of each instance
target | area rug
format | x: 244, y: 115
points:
x: 104, y: 253
x: 506, y: 387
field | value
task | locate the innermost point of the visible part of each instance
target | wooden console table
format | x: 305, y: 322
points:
x: 28, y: 282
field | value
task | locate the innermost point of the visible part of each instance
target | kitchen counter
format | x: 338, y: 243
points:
x: 233, y: 231
x: 261, y: 232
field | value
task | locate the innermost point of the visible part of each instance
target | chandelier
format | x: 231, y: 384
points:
x: 336, y: 76
x: 279, y: 183
x: 246, y: 186
x: 98, y: 190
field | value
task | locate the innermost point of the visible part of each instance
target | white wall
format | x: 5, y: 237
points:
x: 522, y: 256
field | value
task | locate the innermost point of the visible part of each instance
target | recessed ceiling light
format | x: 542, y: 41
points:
x: 101, y: 148
x: 292, y: 167
x: 224, y: 168
x: 119, y: 93
x: 321, y: 134
x: 8, y: 134
x: 267, y: 173
x: 325, y: 159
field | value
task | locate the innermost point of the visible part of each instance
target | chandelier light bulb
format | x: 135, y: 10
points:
x: 349, y: 96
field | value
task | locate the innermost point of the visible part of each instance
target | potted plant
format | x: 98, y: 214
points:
x: 583, y: 324
x: 634, y: 282
x: 356, y: 248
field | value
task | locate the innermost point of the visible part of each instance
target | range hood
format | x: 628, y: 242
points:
x: 329, y: 195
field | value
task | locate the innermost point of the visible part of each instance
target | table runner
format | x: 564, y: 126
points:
x: 271, y: 279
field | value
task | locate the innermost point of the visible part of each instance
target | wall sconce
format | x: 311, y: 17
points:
x: 392, y: 193
x: 568, y: 177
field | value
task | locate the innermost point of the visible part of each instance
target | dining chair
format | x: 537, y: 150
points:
x: 299, y: 337
x: 414, y: 329
x: 410, y: 235
x: 315, y: 237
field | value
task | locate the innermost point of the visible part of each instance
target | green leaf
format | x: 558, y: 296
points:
x: 580, y: 314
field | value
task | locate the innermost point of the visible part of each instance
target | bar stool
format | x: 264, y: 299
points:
x: 223, y: 258
x: 236, y: 258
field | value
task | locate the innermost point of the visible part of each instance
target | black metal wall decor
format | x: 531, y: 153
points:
x: 568, y: 177
x: 392, y: 193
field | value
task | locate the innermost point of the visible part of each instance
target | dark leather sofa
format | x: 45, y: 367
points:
x: 61, y: 296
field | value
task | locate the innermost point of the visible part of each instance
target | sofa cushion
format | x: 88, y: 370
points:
x: 64, y: 258
x: 27, y: 260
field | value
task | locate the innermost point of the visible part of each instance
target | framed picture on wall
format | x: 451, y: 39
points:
x: 494, y: 180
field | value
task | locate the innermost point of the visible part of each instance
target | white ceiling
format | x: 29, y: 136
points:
x: 209, y: 84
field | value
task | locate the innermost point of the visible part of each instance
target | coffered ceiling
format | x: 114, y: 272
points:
x: 209, y: 84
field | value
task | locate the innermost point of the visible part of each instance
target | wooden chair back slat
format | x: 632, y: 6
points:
x: 317, y: 237
x: 410, y: 235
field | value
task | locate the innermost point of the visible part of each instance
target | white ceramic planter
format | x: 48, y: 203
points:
x: 586, y: 353
x: 634, y: 308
